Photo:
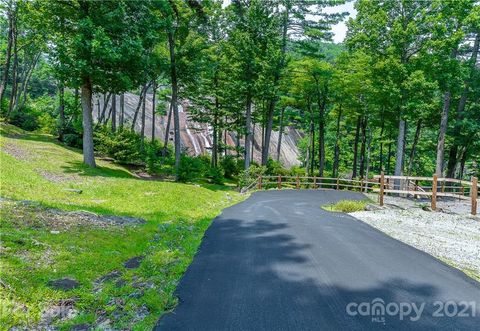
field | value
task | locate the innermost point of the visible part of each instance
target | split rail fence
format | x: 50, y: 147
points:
x: 432, y: 187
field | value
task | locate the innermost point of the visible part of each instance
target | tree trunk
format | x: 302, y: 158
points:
x: 336, y: 156
x: 380, y: 168
x: 312, y: 146
x: 389, y: 156
x: 153, y: 109
x: 114, y: 112
x: 442, y: 134
x: 15, y: 72
x: 321, y: 140
x: 248, y: 135
x: 167, y: 130
x: 142, y: 126
x: 176, y: 119
x: 24, y: 90
x: 143, y: 93
x: 61, y: 110
x: 86, y: 97
x: 268, y: 132
x: 215, y: 136
x: 369, y: 149
x: 414, y: 146
x: 280, y: 134
x: 11, y: 27
x: 276, y: 79
x: 122, y: 110
x: 253, y: 142
x: 452, y: 159
x: 400, y: 150
x: 363, y: 147
x: 355, y: 146
x: 106, y: 100
x: 462, y: 162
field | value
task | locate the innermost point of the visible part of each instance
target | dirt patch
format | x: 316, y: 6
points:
x: 17, y: 152
x: 26, y: 213
x: 56, y: 178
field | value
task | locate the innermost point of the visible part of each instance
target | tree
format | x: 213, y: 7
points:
x: 98, y: 50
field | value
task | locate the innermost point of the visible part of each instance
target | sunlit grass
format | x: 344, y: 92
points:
x: 36, y: 168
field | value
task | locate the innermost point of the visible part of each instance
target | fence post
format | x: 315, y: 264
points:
x: 338, y: 184
x: 279, y: 185
x: 474, y: 194
x: 298, y: 182
x: 434, y: 192
x: 415, y: 188
x: 314, y: 182
x: 260, y: 182
x: 382, y: 187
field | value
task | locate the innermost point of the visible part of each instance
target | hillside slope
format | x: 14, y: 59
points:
x: 51, y: 232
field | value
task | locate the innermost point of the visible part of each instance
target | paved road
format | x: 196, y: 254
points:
x: 277, y: 261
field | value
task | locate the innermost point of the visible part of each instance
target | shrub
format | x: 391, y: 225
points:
x: 73, y: 140
x: 230, y: 166
x: 247, y: 177
x: 216, y: 176
x: 123, y: 145
x: 276, y: 168
x: 26, y: 120
x: 191, y: 168
x: 349, y: 206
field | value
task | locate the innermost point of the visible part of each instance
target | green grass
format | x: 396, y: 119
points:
x: 347, y: 206
x: 35, y: 167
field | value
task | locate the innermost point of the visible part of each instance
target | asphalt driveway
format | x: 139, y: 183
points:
x: 277, y: 261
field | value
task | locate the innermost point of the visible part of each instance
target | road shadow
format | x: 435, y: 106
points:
x: 255, y: 275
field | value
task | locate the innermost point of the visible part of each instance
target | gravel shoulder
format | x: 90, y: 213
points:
x: 450, y: 234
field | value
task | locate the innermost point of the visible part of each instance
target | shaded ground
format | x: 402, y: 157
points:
x: 279, y: 262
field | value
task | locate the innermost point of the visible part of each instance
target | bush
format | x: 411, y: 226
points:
x: 230, y: 166
x: 123, y: 145
x: 26, y: 120
x: 275, y: 168
x: 73, y: 140
x: 216, y: 176
x: 191, y: 168
x: 349, y: 206
x: 247, y: 177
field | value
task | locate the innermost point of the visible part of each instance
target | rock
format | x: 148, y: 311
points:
x: 54, y: 232
x: 370, y: 207
x: 134, y: 262
x: 104, y: 325
x: 120, y: 283
x: 63, y: 284
x: 81, y: 327
x: 136, y: 294
x: 112, y: 275
x: 73, y: 190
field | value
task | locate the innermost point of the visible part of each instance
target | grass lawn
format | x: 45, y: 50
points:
x: 36, y: 249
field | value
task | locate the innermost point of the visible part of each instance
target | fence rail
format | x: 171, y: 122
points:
x: 407, y: 185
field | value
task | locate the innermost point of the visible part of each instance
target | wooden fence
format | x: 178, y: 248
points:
x: 432, y: 187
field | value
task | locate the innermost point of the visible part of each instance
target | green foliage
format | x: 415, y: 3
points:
x: 216, y: 175
x: 247, y: 177
x: 231, y: 166
x: 176, y: 217
x: 192, y: 168
x: 123, y: 145
x: 348, y: 206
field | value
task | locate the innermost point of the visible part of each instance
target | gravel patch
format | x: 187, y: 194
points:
x: 450, y: 234
x: 18, y: 153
